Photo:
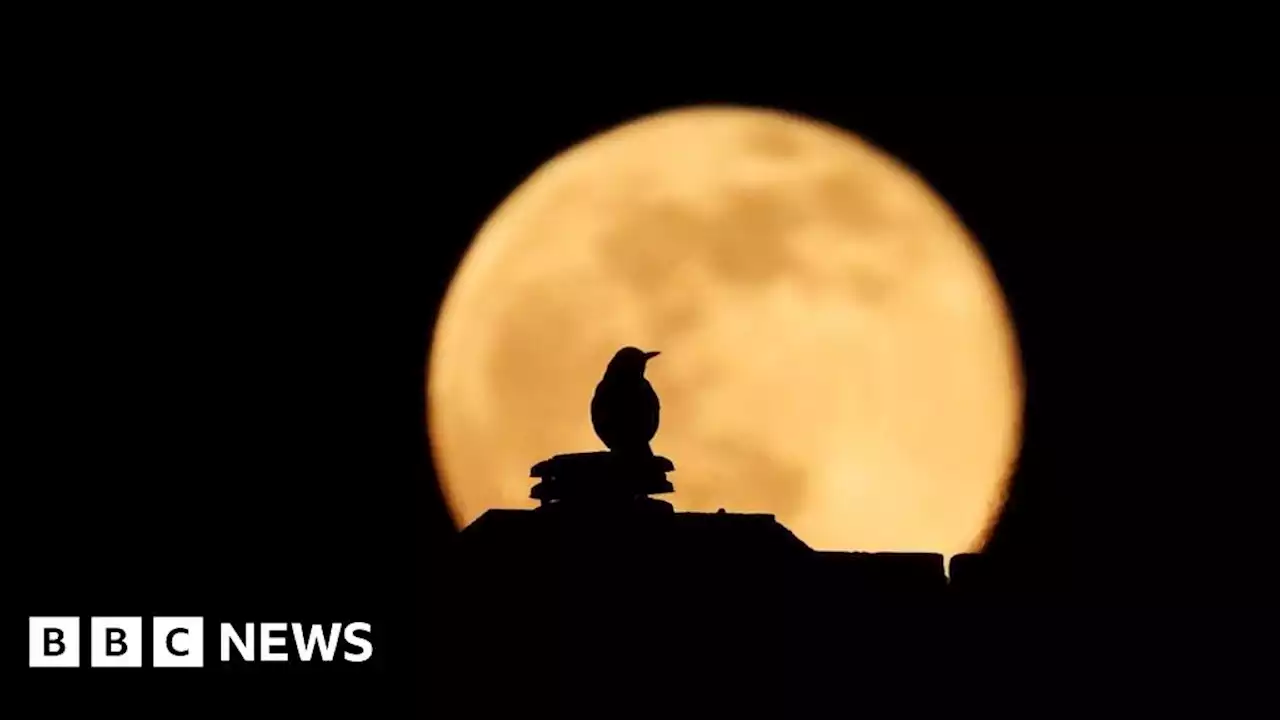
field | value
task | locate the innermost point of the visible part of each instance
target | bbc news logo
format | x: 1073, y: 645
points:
x: 178, y: 642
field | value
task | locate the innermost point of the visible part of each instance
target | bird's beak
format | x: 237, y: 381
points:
x: 651, y: 355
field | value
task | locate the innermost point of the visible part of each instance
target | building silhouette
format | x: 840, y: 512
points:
x: 605, y: 590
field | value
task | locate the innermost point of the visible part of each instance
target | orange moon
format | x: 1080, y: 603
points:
x: 836, y: 350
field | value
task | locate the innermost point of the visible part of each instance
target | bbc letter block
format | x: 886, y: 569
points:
x: 115, y: 642
x: 53, y: 641
x: 177, y: 642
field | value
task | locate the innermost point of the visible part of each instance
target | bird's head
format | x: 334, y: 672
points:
x: 629, y: 361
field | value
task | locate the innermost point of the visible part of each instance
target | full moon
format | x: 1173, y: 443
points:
x: 836, y: 350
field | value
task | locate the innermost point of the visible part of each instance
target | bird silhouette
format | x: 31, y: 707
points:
x: 624, y: 409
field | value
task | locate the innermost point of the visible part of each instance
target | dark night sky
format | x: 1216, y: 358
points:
x: 229, y: 305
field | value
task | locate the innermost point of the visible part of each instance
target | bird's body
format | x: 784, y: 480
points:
x: 625, y: 408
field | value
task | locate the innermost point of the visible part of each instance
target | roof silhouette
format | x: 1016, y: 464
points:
x: 605, y: 587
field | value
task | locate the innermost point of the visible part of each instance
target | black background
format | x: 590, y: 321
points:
x: 222, y: 300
